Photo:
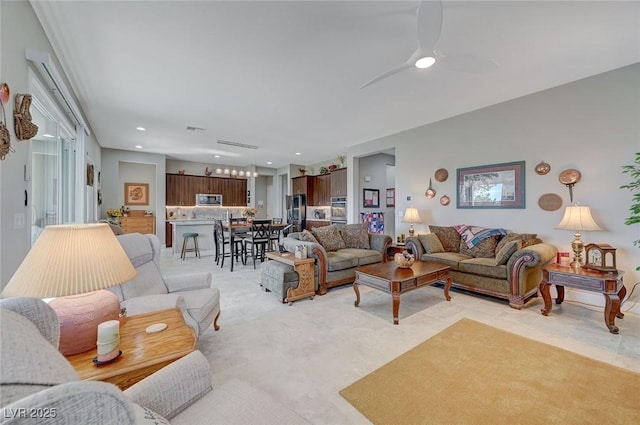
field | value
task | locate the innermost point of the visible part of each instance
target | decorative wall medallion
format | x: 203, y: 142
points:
x: 550, y: 202
x: 569, y: 178
x: 441, y: 175
x: 543, y: 168
x: 430, y: 193
x: 444, y: 200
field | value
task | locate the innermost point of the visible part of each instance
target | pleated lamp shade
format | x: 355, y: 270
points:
x: 578, y: 217
x: 411, y: 216
x: 69, y: 260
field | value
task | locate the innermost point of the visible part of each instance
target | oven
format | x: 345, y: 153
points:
x: 338, y: 210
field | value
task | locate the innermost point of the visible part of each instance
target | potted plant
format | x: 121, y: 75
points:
x: 634, y: 186
x: 340, y: 159
x: 302, y: 171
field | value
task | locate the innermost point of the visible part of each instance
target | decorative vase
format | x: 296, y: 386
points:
x: 404, y: 260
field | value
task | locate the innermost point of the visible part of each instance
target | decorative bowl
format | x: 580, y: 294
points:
x: 404, y: 260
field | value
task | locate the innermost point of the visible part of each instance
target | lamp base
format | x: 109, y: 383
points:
x: 79, y: 316
x: 411, y: 230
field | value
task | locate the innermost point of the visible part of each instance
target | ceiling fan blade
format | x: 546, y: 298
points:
x: 429, y: 24
x: 389, y: 73
x: 471, y: 64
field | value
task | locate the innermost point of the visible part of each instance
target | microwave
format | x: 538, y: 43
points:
x: 205, y: 199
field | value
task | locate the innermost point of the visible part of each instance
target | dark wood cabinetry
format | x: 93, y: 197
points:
x: 339, y: 182
x: 303, y: 185
x: 181, y: 189
x: 322, y: 190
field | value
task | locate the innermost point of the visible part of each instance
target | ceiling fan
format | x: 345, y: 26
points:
x: 429, y: 27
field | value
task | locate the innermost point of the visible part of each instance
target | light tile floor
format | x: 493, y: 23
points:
x: 305, y: 353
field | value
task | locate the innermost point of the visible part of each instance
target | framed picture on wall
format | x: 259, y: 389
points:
x: 391, y: 197
x: 370, y: 198
x: 492, y: 186
x: 90, y: 174
x: 136, y: 193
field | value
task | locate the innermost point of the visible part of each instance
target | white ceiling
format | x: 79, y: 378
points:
x: 286, y: 76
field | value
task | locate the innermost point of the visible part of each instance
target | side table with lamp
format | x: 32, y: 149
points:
x: 597, y: 275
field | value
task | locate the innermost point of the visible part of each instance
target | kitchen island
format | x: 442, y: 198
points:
x: 204, y: 229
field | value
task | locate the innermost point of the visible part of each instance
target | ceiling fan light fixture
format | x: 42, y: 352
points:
x: 425, y: 62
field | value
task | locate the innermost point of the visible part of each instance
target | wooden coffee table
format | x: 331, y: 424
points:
x: 142, y: 353
x: 390, y: 278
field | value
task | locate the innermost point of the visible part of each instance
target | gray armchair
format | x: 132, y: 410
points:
x: 38, y: 385
x: 150, y: 291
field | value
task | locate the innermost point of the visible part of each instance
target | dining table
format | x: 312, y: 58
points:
x: 237, y: 228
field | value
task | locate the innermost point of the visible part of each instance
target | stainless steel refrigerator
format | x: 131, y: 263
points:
x: 297, y: 212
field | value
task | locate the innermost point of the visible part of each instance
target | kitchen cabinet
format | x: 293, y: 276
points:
x: 303, y: 185
x: 339, y: 182
x: 181, y: 189
x: 168, y: 234
x: 322, y: 190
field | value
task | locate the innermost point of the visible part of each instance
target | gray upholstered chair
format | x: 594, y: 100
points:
x: 38, y: 384
x: 151, y: 291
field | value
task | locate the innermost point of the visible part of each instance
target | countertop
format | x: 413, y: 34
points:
x: 188, y: 221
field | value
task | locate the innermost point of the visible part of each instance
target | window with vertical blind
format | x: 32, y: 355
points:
x: 52, y: 170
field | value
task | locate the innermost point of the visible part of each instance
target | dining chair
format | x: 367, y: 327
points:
x: 222, y: 240
x: 275, y: 234
x: 259, y: 239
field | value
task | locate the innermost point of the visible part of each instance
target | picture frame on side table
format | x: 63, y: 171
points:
x: 492, y: 186
x: 370, y: 198
x: 136, y: 193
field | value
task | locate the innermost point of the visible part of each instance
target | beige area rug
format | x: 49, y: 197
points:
x: 472, y: 373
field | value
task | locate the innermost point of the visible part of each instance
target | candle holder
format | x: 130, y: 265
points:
x: 108, y: 341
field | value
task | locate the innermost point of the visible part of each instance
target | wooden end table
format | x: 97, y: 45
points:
x: 388, y: 277
x: 608, y: 284
x: 306, y: 276
x: 142, y: 353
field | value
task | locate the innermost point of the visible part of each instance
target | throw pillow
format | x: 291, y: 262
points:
x: 484, y: 249
x: 503, y: 255
x: 431, y: 243
x: 356, y: 236
x: 532, y: 241
x: 329, y: 237
x: 448, y: 236
x: 510, y: 236
x: 473, y: 235
x: 306, y: 236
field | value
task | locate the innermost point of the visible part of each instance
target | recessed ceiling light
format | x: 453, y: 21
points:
x: 141, y: 129
x: 425, y: 62
x: 298, y: 153
x: 269, y: 162
x: 138, y: 147
x: 216, y: 156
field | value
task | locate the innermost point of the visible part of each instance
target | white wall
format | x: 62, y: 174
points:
x: 592, y: 125
x: 20, y: 29
x: 113, y: 188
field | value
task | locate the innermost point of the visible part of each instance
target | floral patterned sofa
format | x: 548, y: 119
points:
x: 494, y: 262
x: 338, y: 252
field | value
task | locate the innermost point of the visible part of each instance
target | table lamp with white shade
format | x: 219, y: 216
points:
x: 411, y: 216
x: 577, y: 218
x: 75, y: 263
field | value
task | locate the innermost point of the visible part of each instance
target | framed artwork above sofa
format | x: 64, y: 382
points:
x: 492, y: 186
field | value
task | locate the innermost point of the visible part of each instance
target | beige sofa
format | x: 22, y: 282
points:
x: 338, y: 252
x: 505, y: 266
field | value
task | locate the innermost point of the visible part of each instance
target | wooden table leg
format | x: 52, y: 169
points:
x: 560, y: 290
x: 544, y: 290
x: 395, y: 293
x: 357, y: 291
x: 447, y: 285
x: 611, y: 309
x: 622, y: 293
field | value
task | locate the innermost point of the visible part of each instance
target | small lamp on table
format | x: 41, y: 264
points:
x: 411, y: 216
x: 73, y: 264
x: 577, y: 218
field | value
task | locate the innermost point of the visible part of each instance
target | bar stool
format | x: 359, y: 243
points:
x: 185, y: 243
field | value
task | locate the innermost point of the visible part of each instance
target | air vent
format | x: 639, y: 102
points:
x: 192, y: 128
x: 236, y: 144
